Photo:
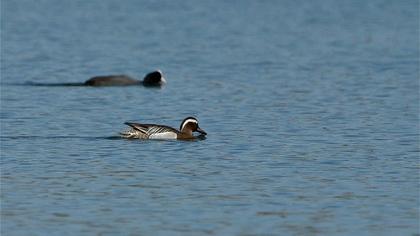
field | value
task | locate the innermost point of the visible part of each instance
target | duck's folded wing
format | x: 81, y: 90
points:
x: 140, y: 127
x: 150, y: 129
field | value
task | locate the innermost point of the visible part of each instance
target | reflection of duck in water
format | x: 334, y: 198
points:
x: 154, y: 78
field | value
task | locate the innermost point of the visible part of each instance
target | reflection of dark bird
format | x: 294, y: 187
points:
x: 154, y: 78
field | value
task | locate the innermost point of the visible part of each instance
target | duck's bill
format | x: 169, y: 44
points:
x: 201, y: 131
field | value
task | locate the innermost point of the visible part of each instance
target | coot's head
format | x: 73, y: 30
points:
x: 154, y: 78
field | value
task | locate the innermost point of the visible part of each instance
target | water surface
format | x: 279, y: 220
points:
x: 311, y: 110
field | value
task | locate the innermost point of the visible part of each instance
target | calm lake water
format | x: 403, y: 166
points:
x: 311, y: 110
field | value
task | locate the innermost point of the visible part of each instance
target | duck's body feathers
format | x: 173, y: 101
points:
x: 150, y: 131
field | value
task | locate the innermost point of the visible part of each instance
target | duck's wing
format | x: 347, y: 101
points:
x: 151, y: 129
x: 139, y: 127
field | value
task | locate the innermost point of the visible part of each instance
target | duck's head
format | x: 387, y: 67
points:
x: 190, y: 125
x: 154, y: 78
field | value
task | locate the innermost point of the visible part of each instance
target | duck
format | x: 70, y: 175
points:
x: 152, y: 79
x: 153, y: 131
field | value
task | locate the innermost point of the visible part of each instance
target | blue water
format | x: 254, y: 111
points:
x: 311, y: 110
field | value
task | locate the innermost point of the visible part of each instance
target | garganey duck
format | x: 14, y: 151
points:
x: 154, y: 78
x: 152, y: 131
